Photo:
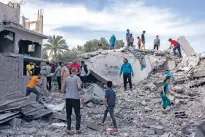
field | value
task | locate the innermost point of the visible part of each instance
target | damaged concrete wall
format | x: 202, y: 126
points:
x: 11, y: 75
x: 108, y: 64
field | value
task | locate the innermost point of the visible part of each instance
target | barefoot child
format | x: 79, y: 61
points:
x: 165, y: 90
x: 110, y: 97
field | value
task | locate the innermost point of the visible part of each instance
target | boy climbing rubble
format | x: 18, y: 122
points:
x: 164, y: 92
x: 110, y: 97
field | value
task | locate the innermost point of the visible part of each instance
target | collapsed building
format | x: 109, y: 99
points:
x: 138, y: 112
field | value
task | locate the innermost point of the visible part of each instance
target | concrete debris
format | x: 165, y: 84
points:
x: 137, y: 111
x: 16, y: 122
x: 186, y: 46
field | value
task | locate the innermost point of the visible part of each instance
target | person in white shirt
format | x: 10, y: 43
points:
x: 84, y: 73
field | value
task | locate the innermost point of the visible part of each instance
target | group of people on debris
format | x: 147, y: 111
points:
x: 141, y: 42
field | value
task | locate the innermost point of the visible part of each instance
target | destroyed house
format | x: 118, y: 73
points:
x: 20, y: 40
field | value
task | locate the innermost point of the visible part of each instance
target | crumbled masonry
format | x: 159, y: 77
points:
x: 138, y: 112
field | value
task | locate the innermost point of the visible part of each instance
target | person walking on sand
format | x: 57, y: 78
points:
x: 127, y: 71
x: 163, y: 94
x: 110, y: 99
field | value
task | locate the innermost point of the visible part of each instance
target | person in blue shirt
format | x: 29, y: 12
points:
x: 164, y: 92
x: 112, y: 42
x: 128, y: 36
x: 126, y: 70
x: 110, y: 97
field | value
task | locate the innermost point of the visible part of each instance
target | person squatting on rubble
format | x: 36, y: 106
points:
x: 176, y: 46
x: 157, y: 42
x: 141, y: 59
x: 138, y: 42
x: 31, y: 87
x: 84, y: 73
x: 72, y: 96
x: 110, y: 99
x: 64, y: 74
x: 127, y: 71
x: 143, y: 39
x: 112, y: 42
x: 163, y: 94
x: 131, y: 41
x: 57, y: 73
x: 127, y: 36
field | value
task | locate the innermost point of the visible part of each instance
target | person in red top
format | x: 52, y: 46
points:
x: 75, y: 65
x: 176, y: 46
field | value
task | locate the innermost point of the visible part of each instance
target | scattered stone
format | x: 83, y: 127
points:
x: 95, y: 126
x: 159, y: 130
x: 16, y: 122
x: 144, y: 103
x: 90, y: 105
x: 31, y: 131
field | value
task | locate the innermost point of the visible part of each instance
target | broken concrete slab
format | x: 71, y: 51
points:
x: 188, y: 63
x: 94, y: 94
x: 16, y: 122
x: 95, y: 126
x: 4, y: 117
x: 200, y: 131
x: 169, y: 65
x: 60, y: 115
x: 107, y: 67
x: 187, y: 48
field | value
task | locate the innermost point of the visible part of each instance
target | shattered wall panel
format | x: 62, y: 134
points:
x: 108, y: 66
x: 186, y: 46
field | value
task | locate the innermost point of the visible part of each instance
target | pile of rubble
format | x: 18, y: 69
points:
x: 138, y: 112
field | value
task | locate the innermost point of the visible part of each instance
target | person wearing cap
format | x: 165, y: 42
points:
x: 157, y: 42
x: 127, y: 71
x: 127, y: 36
x: 143, y: 39
x: 131, y: 41
x: 176, y: 46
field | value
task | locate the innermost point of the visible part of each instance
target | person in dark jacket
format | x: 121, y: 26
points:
x: 143, y: 39
x: 37, y: 69
x: 84, y: 73
x: 126, y: 70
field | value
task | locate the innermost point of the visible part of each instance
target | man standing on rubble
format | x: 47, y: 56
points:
x: 58, y: 75
x: 110, y: 99
x: 127, y: 36
x: 143, y: 39
x: 138, y: 42
x: 126, y: 70
x: 112, y: 42
x: 72, y: 96
x: 176, y: 46
x: 157, y: 42
x: 85, y: 72
x: 131, y: 41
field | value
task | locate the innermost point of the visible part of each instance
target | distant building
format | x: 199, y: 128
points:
x: 17, y: 39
